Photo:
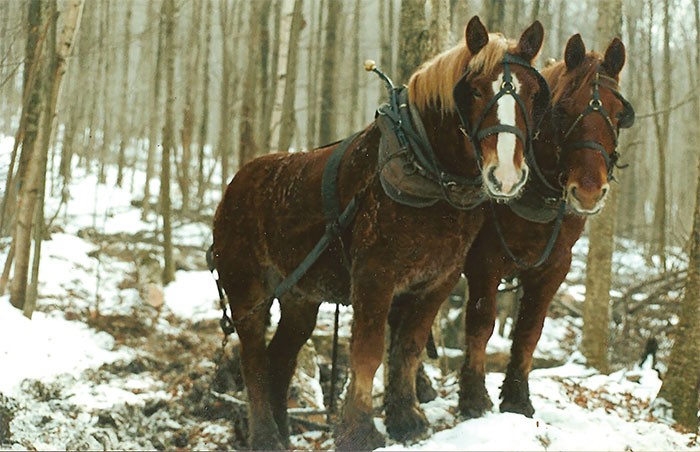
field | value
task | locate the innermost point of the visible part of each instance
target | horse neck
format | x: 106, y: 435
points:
x: 452, y: 149
x: 546, y: 150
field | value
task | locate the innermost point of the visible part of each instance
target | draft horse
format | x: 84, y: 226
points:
x: 272, y: 214
x: 576, y: 154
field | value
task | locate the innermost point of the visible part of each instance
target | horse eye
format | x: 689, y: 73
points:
x: 476, y: 93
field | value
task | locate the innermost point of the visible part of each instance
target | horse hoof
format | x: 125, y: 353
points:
x: 267, y: 442
x: 408, y: 425
x: 362, y: 436
x: 474, y: 404
x: 525, y: 408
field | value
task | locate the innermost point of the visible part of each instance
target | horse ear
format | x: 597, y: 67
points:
x: 574, y: 52
x: 476, y: 35
x: 614, y: 58
x: 531, y: 41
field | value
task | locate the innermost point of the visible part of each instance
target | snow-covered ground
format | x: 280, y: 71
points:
x: 100, y: 365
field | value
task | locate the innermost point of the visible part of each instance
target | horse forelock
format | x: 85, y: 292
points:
x: 431, y: 86
x: 567, y: 87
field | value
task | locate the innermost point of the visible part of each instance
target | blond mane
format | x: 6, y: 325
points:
x: 432, y: 84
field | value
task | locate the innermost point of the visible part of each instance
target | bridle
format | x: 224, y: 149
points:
x: 476, y: 134
x: 595, y: 106
x: 553, y: 195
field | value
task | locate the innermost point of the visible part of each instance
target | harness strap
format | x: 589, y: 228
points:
x: 547, y: 249
x: 335, y: 221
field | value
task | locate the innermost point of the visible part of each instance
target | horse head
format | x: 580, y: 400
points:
x: 486, y: 88
x: 588, y: 113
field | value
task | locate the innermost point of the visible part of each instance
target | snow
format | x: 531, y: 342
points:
x: 52, y: 375
x: 185, y: 296
x: 55, y: 345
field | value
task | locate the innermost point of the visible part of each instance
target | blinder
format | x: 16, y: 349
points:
x: 625, y: 119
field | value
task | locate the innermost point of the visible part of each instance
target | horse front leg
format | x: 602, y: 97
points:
x: 405, y: 420
x: 539, y: 287
x: 371, y: 296
x: 474, y: 399
x: 297, y: 322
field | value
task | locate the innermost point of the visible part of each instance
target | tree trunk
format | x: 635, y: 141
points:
x: 107, y: 129
x: 249, y: 146
x: 496, y: 15
x: 413, y: 42
x: 268, y: 73
x: 328, y: 127
x: 168, y: 140
x: 27, y: 173
x: 682, y: 380
x: 125, y: 114
x: 661, y: 128
x: 50, y: 74
x: 48, y: 94
x: 204, y: 120
x: 288, y: 114
x: 313, y: 69
x: 225, y: 144
x: 154, y: 16
x: 439, y: 27
x: 596, y: 308
x: 188, y: 115
x: 355, y: 69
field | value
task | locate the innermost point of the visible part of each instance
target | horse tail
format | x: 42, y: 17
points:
x: 226, y: 322
x: 210, y: 259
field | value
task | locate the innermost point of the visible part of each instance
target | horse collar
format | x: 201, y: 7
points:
x: 408, y: 169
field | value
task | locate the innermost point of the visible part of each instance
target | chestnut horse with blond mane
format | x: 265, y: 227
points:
x: 532, y: 237
x: 577, y: 153
x: 272, y: 215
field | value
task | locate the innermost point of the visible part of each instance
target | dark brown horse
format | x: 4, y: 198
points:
x: 577, y: 154
x: 271, y: 216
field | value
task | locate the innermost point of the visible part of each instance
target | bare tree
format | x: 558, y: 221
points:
x: 287, y: 114
x: 48, y: 89
x: 661, y: 128
x: 596, y: 308
x: 124, y: 118
x: 225, y: 141
x: 328, y: 127
x: 413, y: 38
x: 168, y: 15
x: 154, y: 126
x: 680, y: 386
x: 204, y: 120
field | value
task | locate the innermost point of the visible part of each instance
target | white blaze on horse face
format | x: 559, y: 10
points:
x: 510, y: 178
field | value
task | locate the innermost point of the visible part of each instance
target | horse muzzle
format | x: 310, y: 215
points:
x: 586, y: 201
x: 505, y: 185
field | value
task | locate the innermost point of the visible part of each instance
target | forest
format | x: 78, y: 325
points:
x: 122, y: 122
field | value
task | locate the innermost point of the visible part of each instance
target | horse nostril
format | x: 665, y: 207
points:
x: 492, y: 178
x: 573, y: 192
x: 603, y: 192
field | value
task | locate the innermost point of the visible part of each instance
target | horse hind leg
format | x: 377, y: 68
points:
x: 262, y: 429
x: 297, y: 322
